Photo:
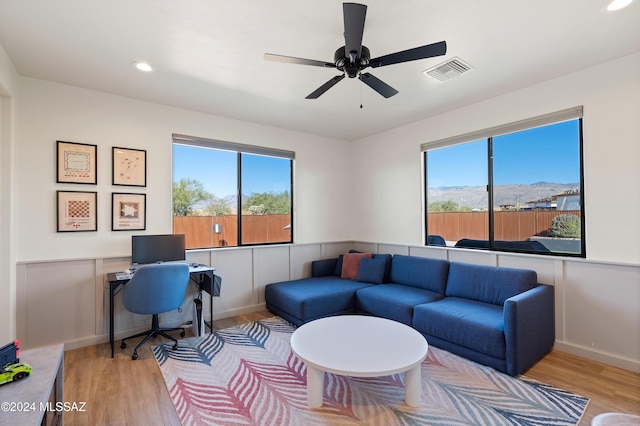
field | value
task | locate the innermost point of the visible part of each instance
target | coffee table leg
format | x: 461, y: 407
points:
x: 315, y: 387
x: 412, y: 387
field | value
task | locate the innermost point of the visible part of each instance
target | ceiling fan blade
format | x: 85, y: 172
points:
x: 328, y: 85
x: 378, y: 85
x: 300, y: 61
x: 354, y: 15
x: 422, y: 52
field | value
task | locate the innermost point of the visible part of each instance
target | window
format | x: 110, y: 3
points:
x: 227, y: 194
x: 517, y: 187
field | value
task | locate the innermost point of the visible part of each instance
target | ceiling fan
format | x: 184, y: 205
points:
x: 353, y: 57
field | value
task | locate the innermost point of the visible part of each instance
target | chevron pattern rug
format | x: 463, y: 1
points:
x: 247, y: 375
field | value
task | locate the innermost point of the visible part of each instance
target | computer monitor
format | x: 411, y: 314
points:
x: 157, y: 248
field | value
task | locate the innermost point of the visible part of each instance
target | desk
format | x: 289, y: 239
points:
x: 39, y: 398
x: 201, y: 275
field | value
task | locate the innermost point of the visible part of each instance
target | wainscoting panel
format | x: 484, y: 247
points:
x: 301, y: 257
x: 432, y: 252
x: 393, y: 249
x: 56, y: 302
x: 270, y: 265
x: 478, y: 257
x: 333, y: 250
x: 235, y: 266
x: 602, y: 308
x: 544, y: 266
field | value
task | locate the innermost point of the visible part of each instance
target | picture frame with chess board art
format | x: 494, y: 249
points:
x: 129, y: 167
x: 77, y: 211
x: 129, y: 211
x: 76, y: 163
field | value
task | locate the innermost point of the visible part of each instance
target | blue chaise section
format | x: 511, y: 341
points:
x: 322, y: 295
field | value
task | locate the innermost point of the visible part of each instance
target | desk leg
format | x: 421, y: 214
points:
x: 111, y: 296
x: 315, y: 387
x: 413, y: 387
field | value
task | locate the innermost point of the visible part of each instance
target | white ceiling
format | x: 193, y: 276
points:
x: 208, y: 54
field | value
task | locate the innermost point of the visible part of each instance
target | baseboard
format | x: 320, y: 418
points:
x: 606, y: 358
x: 118, y: 335
x: 234, y: 312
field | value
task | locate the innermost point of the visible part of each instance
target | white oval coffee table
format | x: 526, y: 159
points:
x: 359, y: 346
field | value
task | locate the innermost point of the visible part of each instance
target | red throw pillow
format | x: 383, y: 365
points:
x: 351, y: 264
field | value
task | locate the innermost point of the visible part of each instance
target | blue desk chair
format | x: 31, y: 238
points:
x: 153, y: 290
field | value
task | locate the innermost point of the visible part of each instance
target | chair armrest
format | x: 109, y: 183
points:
x: 529, y: 327
x: 324, y: 267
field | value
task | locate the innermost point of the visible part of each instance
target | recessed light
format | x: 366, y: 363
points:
x: 618, y: 4
x: 143, y: 66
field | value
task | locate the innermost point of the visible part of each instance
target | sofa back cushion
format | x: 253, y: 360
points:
x: 371, y: 270
x: 488, y: 284
x: 421, y: 272
x: 387, y: 265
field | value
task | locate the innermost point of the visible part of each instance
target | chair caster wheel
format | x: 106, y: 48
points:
x: 175, y: 346
x: 134, y: 356
x: 123, y: 345
x: 182, y: 333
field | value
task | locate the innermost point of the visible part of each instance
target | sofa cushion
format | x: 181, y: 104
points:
x: 387, y: 269
x: 393, y: 301
x: 310, y: 298
x: 420, y: 272
x: 469, y: 323
x: 351, y: 264
x: 372, y: 270
x: 323, y: 268
x: 489, y: 284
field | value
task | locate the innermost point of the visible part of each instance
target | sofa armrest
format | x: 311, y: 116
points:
x: 529, y: 327
x: 324, y: 267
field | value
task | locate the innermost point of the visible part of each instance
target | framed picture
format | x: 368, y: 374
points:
x: 128, y: 212
x: 129, y: 167
x: 76, y: 163
x: 77, y: 211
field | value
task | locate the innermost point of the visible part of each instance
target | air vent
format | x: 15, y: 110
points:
x: 448, y: 70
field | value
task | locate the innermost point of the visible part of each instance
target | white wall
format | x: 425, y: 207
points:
x: 610, y: 94
x: 8, y: 91
x: 50, y: 112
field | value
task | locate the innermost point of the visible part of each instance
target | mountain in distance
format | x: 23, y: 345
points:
x: 475, y: 197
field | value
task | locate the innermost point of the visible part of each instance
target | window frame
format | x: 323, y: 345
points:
x: 575, y: 113
x: 240, y: 149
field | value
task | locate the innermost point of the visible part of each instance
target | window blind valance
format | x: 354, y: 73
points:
x: 232, y: 146
x: 529, y: 123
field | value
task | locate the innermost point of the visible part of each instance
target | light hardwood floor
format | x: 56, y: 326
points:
x: 121, y: 391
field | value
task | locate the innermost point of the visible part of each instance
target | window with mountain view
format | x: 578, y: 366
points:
x: 515, y: 191
x: 227, y: 194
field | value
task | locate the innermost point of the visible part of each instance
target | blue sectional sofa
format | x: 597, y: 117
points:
x: 500, y: 317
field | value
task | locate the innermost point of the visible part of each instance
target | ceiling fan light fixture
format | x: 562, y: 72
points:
x: 614, y: 5
x: 353, y: 57
x: 143, y: 66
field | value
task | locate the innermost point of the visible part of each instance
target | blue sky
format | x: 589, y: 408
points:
x: 217, y: 170
x: 549, y: 153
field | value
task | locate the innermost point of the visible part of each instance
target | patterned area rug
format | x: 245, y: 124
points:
x: 247, y: 375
